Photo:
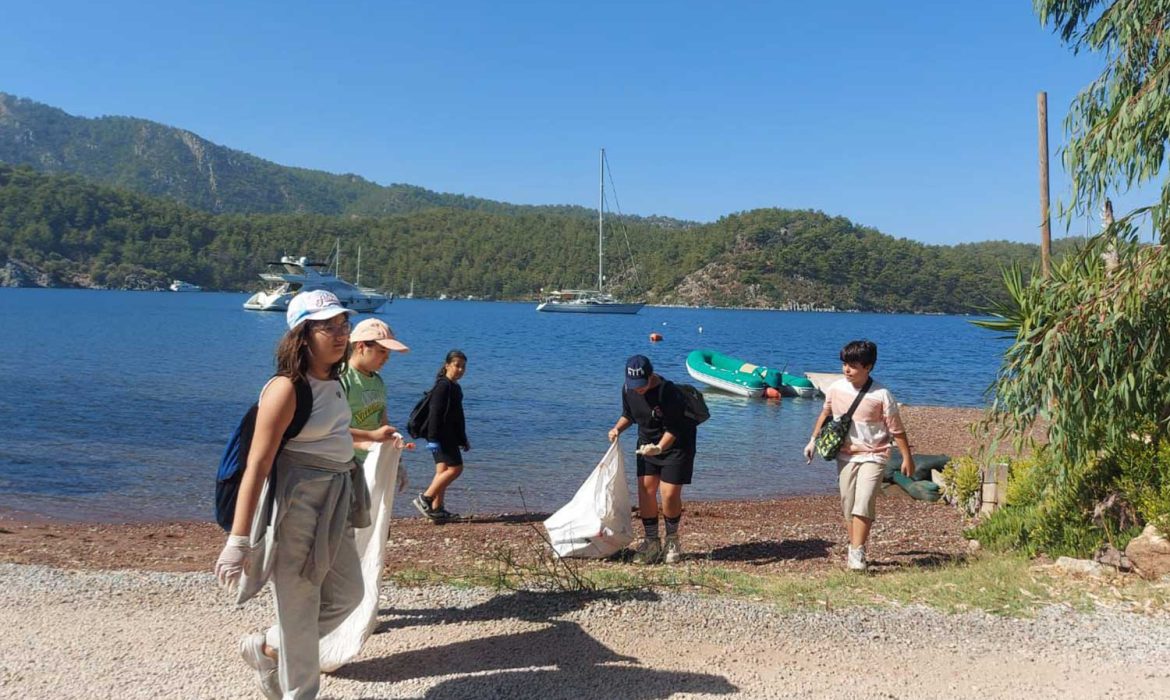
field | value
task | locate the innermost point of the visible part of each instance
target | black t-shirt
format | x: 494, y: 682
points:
x: 658, y: 411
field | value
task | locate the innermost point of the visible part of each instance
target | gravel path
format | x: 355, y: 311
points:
x: 133, y: 634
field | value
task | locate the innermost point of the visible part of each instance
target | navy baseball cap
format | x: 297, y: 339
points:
x: 638, y: 370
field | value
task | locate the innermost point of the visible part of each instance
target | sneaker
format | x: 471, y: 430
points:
x: 857, y: 558
x: 442, y: 514
x: 672, y: 550
x: 648, y: 551
x: 423, y: 507
x: 252, y: 649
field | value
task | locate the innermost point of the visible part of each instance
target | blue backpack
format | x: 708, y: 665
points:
x: 235, y: 455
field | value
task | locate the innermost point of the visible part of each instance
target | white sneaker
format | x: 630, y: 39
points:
x: 649, y: 551
x: 672, y: 549
x: 252, y: 649
x: 857, y: 558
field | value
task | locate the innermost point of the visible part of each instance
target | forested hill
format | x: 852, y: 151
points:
x: 64, y: 231
x: 163, y: 161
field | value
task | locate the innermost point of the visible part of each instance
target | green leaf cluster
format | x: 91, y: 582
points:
x: 1090, y: 356
x: 1118, y: 126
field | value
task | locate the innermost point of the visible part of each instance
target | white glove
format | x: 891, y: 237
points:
x: 230, y: 564
x: 400, y: 480
x: 649, y: 450
x: 809, y: 451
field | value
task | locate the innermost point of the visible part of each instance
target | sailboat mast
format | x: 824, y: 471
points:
x: 359, y: 267
x: 600, y: 220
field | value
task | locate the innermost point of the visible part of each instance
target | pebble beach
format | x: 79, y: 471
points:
x: 131, y: 611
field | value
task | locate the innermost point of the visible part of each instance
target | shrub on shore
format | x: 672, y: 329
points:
x: 1074, y: 512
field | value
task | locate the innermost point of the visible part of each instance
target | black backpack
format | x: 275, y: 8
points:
x: 416, y: 424
x: 696, y: 409
x: 235, y: 455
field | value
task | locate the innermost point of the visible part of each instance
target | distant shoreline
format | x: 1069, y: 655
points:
x: 398, y: 299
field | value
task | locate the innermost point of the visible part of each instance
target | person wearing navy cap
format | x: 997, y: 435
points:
x: 666, y: 454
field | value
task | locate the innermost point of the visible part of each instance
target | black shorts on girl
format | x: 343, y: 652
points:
x: 677, y: 470
x: 449, y: 455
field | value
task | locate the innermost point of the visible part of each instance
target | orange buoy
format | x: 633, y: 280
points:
x: 771, y: 393
x: 655, y: 337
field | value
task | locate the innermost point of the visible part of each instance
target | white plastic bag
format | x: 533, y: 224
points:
x: 596, y: 522
x: 341, y: 645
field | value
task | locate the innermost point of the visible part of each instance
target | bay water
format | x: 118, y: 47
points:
x: 116, y: 405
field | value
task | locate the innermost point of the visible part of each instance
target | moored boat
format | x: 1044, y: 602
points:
x: 727, y: 373
x: 744, y: 378
x: 794, y: 385
x: 292, y: 275
x: 590, y: 301
x: 181, y: 286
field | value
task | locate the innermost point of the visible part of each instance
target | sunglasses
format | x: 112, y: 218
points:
x: 336, y: 330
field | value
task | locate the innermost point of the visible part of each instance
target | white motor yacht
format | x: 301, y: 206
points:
x: 181, y: 286
x: 293, y: 275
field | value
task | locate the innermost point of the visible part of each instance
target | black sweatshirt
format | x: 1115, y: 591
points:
x: 446, y: 425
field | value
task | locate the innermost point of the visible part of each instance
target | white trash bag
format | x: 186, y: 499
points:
x: 380, y: 469
x: 596, y: 522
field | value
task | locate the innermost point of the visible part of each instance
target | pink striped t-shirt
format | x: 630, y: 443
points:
x: 875, y: 421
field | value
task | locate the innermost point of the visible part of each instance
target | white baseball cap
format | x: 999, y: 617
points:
x: 315, y: 305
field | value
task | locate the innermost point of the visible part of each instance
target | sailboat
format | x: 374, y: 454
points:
x: 590, y: 301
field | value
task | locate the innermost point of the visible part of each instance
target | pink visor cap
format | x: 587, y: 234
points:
x: 378, y: 332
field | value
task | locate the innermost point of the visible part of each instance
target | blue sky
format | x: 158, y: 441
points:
x: 917, y: 118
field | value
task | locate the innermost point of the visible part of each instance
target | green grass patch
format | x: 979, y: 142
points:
x: 1008, y: 584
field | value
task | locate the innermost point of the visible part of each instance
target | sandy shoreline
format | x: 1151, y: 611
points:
x: 769, y: 535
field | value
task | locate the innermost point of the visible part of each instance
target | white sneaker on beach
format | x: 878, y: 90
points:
x: 857, y: 558
x: 672, y: 550
x: 267, y: 677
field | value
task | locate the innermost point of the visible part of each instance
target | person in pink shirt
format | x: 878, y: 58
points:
x: 863, y: 456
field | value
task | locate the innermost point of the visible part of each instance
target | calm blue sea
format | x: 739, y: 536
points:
x: 116, y: 405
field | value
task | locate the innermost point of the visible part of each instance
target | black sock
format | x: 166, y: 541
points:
x: 672, y: 524
x: 651, y: 526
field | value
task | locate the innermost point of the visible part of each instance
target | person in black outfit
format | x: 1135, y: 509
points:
x: 446, y: 435
x: 666, y: 454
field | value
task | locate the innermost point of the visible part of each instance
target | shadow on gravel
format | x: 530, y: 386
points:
x: 917, y: 560
x: 530, y: 606
x: 559, y: 661
x: 772, y: 551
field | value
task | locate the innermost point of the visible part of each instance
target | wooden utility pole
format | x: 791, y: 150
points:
x: 1045, y: 215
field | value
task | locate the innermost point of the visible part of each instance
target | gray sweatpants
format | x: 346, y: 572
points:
x: 307, y: 611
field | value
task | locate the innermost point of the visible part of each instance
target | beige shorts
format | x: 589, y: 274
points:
x: 859, y: 483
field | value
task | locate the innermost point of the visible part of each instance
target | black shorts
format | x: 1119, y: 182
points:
x: 676, y: 471
x: 449, y: 455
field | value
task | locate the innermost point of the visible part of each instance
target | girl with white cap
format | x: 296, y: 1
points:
x: 315, y: 570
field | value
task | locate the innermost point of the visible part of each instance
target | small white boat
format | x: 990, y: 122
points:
x: 823, y: 380
x: 292, y: 275
x: 181, y: 286
x: 590, y: 301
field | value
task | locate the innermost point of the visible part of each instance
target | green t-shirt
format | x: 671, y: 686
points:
x: 366, y: 394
